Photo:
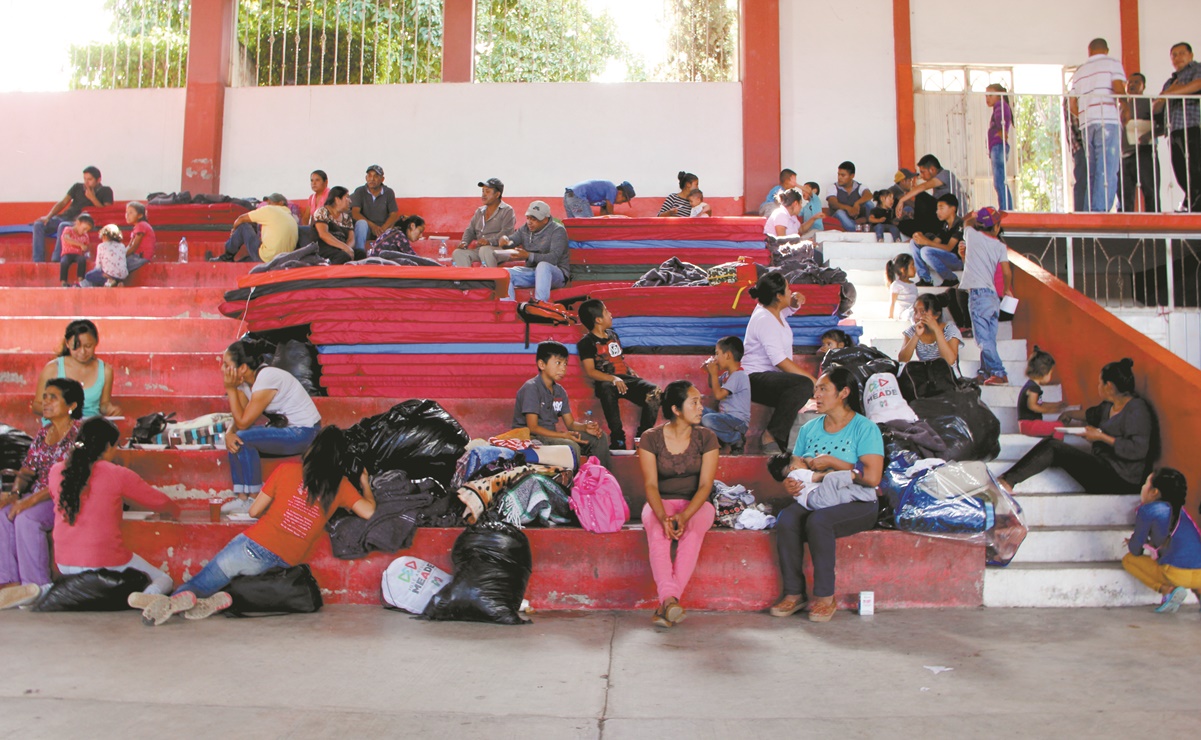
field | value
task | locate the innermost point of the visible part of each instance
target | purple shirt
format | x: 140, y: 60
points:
x: 1000, y: 123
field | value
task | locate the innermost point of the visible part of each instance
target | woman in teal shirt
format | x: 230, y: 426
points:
x: 842, y: 454
x: 77, y: 360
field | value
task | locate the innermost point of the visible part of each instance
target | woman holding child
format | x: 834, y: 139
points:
x: 678, y: 204
x: 679, y: 463
x: 1121, y: 429
x: 835, y: 467
x: 776, y: 380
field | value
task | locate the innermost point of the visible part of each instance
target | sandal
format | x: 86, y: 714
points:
x: 673, y: 611
x: 659, y: 618
x: 822, y: 610
x: 788, y: 606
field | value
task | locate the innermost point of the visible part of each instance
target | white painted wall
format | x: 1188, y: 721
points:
x: 135, y: 137
x: 440, y: 140
x: 837, y: 92
x: 1162, y: 23
x: 1014, y: 32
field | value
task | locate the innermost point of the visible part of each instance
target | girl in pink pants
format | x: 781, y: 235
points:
x: 679, y: 462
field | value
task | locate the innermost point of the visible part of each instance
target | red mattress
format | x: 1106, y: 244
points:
x: 450, y: 274
x: 725, y: 228
x: 357, y: 332
x: 222, y: 214
x: 715, y: 300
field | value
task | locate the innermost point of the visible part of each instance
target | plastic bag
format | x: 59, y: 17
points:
x: 417, y: 436
x: 963, y: 501
x: 409, y: 583
x: 100, y: 590
x: 277, y: 591
x: 969, y: 428
x: 492, y: 564
x: 300, y: 360
x: 14, y: 445
x: 882, y: 400
x: 861, y: 360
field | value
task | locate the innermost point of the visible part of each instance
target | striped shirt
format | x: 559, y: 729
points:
x: 1093, y: 84
x: 675, y: 201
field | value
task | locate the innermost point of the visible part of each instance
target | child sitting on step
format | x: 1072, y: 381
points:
x: 111, y: 267
x: 900, y: 272
x: 75, y: 248
x: 1163, y: 525
x: 604, y: 363
x: 883, y: 219
x: 732, y: 389
x: 1031, y: 406
x: 542, y: 401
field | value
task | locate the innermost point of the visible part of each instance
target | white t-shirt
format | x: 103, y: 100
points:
x: 981, y: 256
x: 906, y: 294
x: 781, y: 217
x: 700, y: 211
x: 290, y: 398
x: 768, y: 342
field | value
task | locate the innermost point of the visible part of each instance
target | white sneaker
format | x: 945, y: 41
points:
x: 15, y: 596
x: 158, y: 608
x: 237, y: 505
x: 207, y: 607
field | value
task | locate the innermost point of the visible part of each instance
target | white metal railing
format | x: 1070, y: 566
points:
x: 335, y: 42
x: 148, y: 48
x: 1048, y: 169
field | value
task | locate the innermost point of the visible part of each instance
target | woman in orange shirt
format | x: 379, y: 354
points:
x: 294, y: 505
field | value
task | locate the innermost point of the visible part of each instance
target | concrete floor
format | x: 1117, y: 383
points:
x: 357, y: 671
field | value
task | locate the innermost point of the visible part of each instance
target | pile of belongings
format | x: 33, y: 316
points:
x: 401, y: 506
x: 954, y: 500
x: 736, y: 508
x: 492, y: 567
x: 524, y: 484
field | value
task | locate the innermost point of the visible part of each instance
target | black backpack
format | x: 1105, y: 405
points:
x: 278, y: 591
x: 148, y: 427
x: 926, y: 379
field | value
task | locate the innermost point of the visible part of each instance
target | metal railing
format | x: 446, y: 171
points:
x: 1048, y: 169
x: 149, y: 48
x: 336, y: 42
x: 1117, y: 270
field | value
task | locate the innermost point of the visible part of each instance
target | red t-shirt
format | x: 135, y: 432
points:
x: 605, y: 352
x: 291, y: 526
x: 94, y: 541
x: 146, y: 246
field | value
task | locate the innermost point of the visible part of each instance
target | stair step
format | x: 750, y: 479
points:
x: 884, y: 328
x: 1064, y: 585
x: 162, y: 302
x: 201, y: 335
x: 1075, y: 544
x: 1057, y: 510
x: 1011, y: 350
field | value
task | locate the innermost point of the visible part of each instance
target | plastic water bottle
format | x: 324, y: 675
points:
x: 442, y: 252
x: 183, y: 250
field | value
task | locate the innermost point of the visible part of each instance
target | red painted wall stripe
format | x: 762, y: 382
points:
x: 458, y: 40
x: 760, y: 43
x: 204, y: 111
x: 903, y: 54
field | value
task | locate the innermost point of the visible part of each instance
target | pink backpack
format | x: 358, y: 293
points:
x: 596, y: 499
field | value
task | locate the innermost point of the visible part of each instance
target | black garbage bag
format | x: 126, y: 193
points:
x: 861, y: 360
x: 970, y: 430
x: 492, y: 564
x: 417, y: 436
x: 101, y: 590
x: 14, y: 445
x: 300, y: 359
x: 259, y: 348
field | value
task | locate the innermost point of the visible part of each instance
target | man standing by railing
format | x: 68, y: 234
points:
x: 1184, y: 123
x: 1140, y: 161
x: 1095, y: 86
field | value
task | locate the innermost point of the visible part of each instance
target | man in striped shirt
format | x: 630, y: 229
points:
x: 1095, y: 88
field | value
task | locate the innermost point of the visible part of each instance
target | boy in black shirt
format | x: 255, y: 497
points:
x: 939, y: 250
x: 613, y: 378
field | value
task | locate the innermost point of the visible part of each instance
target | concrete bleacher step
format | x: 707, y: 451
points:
x: 143, y: 302
x: 193, y: 274
x: 1057, y: 585
x: 1011, y: 350
x: 574, y: 569
x: 166, y: 248
x: 1052, y: 510
x: 1074, y: 544
x: 880, y: 327
x: 154, y: 334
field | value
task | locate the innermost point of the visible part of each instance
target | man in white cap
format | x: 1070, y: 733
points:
x: 542, y: 243
x: 490, y: 222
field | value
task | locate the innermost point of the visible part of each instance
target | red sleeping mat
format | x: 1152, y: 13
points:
x: 757, y: 253
x: 725, y: 228
x: 277, y: 306
x: 222, y: 214
x: 355, y: 332
x: 451, y: 275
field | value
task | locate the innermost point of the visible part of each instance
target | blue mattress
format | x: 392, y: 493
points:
x: 668, y: 331
x: 465, y: 348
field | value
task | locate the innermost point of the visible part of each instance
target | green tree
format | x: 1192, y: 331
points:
x: 542, y: 41
x: 150, y: 47
x: 702, y: 41
x: 1037, y: 122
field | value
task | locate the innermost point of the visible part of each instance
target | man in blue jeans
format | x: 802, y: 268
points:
x: 938, y: 250
x: 1095, y: 87
x: 87, y: 194
x: 982, y: 250
x: 848, y: 200
x: 579, y: 199
x: 542, y: 243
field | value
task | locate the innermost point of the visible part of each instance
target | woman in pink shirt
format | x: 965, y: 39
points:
x: 319, y: 183
x: 88, y: 491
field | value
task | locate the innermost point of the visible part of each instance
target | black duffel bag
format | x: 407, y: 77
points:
x: 278, y: 591
x: 926, y: 379
x: 100, y: 590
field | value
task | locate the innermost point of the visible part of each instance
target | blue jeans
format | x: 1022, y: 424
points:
x: 542, y: 278
x: 845, y: 219
x: 53, y: 226
x: 941, y: 261
x: 999, y: 155
x: 985, y: 307
x: 1104, y: 145
x: 245, y: 466
x: 241, y: 557
x: 1080, y: 180
x: 729, y: 429
x: 882, y: 229
x: 245, y: 235
x: 576, y: 207
x: 362, y: 232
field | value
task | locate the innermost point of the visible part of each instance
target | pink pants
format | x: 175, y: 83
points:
x: 1040, y: 428
x: 672, y: 578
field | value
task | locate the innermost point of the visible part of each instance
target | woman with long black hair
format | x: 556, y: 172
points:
x: 776, y: 380
x: 293, y: 508
x: 77, y: 360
